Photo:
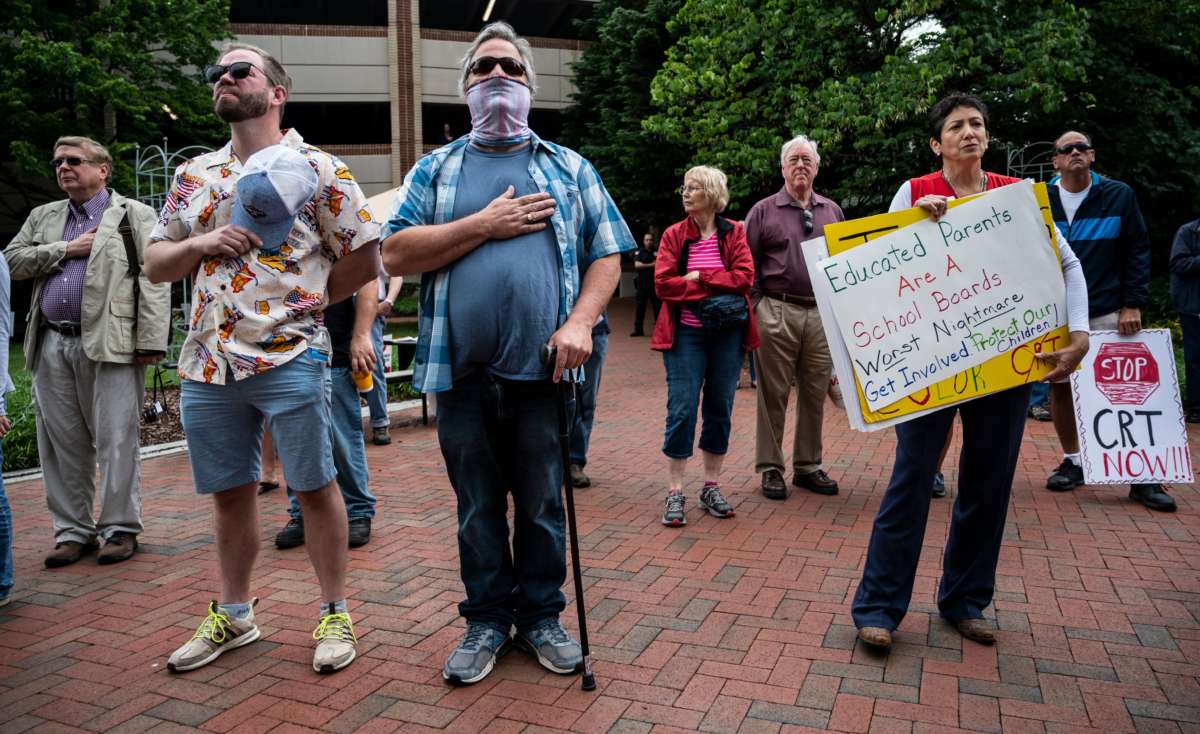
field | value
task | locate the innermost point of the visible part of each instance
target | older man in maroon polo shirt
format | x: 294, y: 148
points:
x: 793, y: 342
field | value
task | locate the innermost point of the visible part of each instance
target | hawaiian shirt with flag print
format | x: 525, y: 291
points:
x: 256, y: 312
x: 586, y: 224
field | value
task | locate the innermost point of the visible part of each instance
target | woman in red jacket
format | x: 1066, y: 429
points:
x: 703, y: 273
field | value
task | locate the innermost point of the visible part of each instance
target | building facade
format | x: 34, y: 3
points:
x: 376, y: 81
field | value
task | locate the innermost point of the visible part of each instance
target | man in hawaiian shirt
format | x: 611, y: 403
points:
x: 520, y: 244
x: 256, y: 351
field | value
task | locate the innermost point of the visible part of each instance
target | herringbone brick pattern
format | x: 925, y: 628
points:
x: 738, y: 625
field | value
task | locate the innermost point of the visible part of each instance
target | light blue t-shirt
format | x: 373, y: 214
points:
x: 504, y: 295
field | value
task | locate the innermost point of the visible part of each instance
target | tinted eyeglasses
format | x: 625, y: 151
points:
x: 237, y: 70
x: 1066, y: 149
x: 808, y: 221
x: 71, y: 160
x: 484, y: 65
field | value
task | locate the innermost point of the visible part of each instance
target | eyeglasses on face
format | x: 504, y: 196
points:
x: 1066, y: 149
x: 484, y: 65
x: 70, y: 160
x: 690, y: 189
x: 237, y: 70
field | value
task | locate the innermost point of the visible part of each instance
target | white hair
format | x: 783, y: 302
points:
x: 504, y: 32
x: 798, y: 140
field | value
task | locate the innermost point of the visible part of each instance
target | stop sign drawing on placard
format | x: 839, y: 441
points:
x: 1126, y: 374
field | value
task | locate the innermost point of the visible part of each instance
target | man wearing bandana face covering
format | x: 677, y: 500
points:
x: 518, y: 242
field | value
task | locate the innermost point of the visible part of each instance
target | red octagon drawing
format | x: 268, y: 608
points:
x: 1126, y: 372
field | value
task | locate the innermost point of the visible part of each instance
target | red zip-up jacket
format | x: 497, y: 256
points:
x: 673, y: 290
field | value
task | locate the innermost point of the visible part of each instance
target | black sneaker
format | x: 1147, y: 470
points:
x: 713, y: 503
x: 1040, y: 413
x: 360, y: 531
x: 1152, y: 496
x: 673, y: 516
x: 773, y: 487
x: 1067, y: 476
x: 939, y: 485
x: 579, y: 479
x: 1193, y: 415
x: 291, y: 536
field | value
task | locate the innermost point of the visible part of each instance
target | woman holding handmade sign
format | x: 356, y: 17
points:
x: 703, y: 273
x: 992, y: 427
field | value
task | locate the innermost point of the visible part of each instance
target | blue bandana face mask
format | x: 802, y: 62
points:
x: 499, y: 112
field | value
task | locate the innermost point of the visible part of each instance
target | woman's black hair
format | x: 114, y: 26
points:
x: 940, y: 111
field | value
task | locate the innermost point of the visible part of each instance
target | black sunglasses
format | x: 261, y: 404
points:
x: 237, y: 70
x: 485, y: 64
x: 1066, y: 149
x: 808, y: 221
x: 71, y: 160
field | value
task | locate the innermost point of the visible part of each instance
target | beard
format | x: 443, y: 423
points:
x: 247, y: 107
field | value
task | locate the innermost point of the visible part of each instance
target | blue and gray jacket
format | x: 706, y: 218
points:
x: 1109, y: 236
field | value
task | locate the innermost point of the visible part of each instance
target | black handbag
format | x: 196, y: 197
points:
x: 725, y: 311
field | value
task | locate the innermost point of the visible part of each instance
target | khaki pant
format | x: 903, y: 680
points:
x: 87, y: 413
x: 793, y: 349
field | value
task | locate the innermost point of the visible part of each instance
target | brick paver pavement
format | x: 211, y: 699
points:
x: 725, y: 625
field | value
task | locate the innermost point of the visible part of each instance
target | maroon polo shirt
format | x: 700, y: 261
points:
x: 774, y: 231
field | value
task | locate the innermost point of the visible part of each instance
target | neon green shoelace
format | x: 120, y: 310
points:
x: 335, y: 626
x: 215, y: 626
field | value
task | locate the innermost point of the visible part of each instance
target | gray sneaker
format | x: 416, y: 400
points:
x: 217, y: 634
x: 476, y: 655
x: 674, y: 516
x: 712, y: 502
x: 554, y: 649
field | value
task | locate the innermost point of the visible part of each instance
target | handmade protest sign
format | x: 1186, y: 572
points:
x: 946, y: 384
x: 1127, y: 410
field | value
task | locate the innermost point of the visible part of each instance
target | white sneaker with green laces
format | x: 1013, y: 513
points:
x: 218, y: 633
x: 336, y: 643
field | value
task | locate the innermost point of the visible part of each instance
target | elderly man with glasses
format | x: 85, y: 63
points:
x: 793, y: 348
x: 1100, y: 218
x: 95, y: 322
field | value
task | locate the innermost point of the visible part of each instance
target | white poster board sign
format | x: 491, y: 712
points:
x: 936, y: 298
x: 1128, y: 412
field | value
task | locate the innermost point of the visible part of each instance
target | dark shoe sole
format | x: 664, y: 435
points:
x: 827, y: 491
x: 285, y: 543
x: 1062, y: 486
x: 377, y: 442
x: 715, y: 512
x: 1154, y: 506
x: 581, y: 485
x: 674, y: 523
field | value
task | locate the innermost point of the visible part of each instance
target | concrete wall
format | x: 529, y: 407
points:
x: 331, y: 68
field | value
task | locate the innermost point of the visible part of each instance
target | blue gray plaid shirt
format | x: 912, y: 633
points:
x: 586, y: 225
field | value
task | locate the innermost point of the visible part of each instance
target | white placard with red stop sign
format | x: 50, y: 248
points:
x: 1128, y: 412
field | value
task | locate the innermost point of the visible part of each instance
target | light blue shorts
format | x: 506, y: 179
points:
x: 224, y: 426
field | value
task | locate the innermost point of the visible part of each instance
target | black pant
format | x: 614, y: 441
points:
x: 992, y: 430
x: 645, y: 295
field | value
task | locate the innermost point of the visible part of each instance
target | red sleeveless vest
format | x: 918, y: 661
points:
x: 933, y: 183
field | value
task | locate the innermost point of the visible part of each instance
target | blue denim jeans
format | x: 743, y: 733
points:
x: 6, y: 537
x: 992, y: 427
x: 1040, y: 394
x: 585, y: 403
x: 377, y: 398
x: 349, y: 453
x: 711, y: 360
x: 1191, y: 359
x: 500, y: 437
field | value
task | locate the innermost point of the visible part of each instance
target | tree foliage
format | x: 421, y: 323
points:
x: 639, y: 167
x: 114, y: 70
x: 858, y: 78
